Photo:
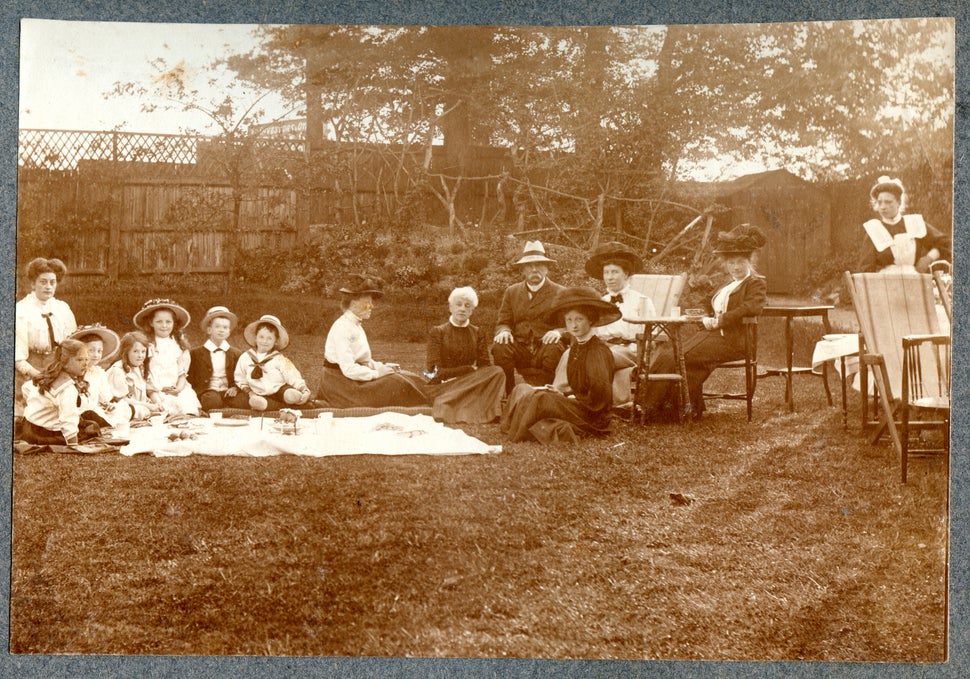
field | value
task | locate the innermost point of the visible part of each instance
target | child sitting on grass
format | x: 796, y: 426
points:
x: 53, y: 414
x: 162, y: 321
x: 267, y: 377
x: 102, y: 345
x: 130, y: 378
x: 213, y: 364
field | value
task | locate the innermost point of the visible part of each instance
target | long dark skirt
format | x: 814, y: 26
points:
x: 703, y: 352
x: 549, y: 417
x: 474, y: 397
x: 403, y: 389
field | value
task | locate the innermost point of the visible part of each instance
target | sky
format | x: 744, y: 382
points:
x: 66, y: 67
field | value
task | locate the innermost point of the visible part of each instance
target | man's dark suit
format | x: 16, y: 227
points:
x: 524, y: 315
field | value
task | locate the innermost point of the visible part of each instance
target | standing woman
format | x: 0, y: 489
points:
x: 42, y: 322
x: 465, y: 386
x: 896, y: 241
x: 550, y: 415
x: 351, y: 376
x: 722, y: 338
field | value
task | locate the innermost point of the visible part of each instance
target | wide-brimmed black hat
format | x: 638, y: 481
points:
x: 613, y: 253
x: 588, y: 302
x: 361, y: 284
x: 741, y: 240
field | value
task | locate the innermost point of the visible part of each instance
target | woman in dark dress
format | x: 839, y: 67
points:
x: 464, y: 385
x: 722, y: 338
x: 551, y: 416
x: 351, y: 377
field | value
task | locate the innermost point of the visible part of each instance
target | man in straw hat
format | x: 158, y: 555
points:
x: 213, y: 363
x: 524, y: 340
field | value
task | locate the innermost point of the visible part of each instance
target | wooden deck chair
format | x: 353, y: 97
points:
x: 889, y: 307
x: 926, y: 388
x: 664, y: 290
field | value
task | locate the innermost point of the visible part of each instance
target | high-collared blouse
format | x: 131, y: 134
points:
x: 32, y: 333
x: 347, y: 347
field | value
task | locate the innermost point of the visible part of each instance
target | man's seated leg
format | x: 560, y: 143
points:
x: 546, y: 359
x: 509, y: 357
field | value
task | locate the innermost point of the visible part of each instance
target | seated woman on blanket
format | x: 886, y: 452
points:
x: 722, y: 338
x: 549, y: 415
x: 351, y: 377
x: 465, y: 386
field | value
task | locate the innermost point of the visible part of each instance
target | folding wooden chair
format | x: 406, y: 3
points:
x: 926, y: 388
x: 749, y: 364
x: 891, y: 307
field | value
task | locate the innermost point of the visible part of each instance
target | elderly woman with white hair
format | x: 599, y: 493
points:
x: 465, y: 386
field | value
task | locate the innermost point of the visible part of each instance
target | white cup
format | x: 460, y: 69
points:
x: 642, y: 308
x: 324, y: 423
x: 215, y: 417
x: 157, y: 420
x: 675, y: 311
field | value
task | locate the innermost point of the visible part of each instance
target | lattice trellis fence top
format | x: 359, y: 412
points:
x: 64, y: 149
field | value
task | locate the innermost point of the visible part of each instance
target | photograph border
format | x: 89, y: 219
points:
x: 499, y: 12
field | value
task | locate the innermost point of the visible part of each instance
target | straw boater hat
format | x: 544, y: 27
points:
x: 533, y: 252
x: 585, y: 300
x: 360, y: 284
x: 143, y: 318
x: 250, y: 332
x: 887, y: 185
x: 219, y: 312
x: 613, y: 253
x: 743, y: 239
x: 109, y: 338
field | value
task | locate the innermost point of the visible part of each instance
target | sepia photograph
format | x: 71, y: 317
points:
x: 624, y: 342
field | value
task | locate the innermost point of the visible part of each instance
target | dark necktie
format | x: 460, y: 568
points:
x: 616, y: 299
x: 82, y: 389
x: 258, y: 366
x: 50, y: 331
x: 217, y: 349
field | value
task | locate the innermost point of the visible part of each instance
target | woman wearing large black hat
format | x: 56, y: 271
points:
x: 614, y: 263
x: 351, y: 376
x: 722, y: 338
x: 549, y: 415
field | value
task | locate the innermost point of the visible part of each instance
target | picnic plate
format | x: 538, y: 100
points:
x: 233, y: 422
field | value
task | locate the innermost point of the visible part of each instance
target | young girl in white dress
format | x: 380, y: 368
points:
x: 162, y: 321
x: 129, y: 379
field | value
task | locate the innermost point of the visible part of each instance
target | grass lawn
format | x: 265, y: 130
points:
x: 794, y: 540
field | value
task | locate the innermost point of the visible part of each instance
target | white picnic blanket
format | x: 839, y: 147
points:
x: 384, y: 434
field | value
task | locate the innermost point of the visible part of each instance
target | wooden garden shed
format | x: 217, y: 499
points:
x: 796, y: 218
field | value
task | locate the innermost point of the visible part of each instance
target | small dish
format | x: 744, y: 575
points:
x: 231, y: 422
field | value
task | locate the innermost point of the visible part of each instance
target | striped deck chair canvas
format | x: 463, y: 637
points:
x: 889, y: 307
x: 663, y: 290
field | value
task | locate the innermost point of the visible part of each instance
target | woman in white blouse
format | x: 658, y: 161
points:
x: 351, y: 376
x: 42, y: 322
